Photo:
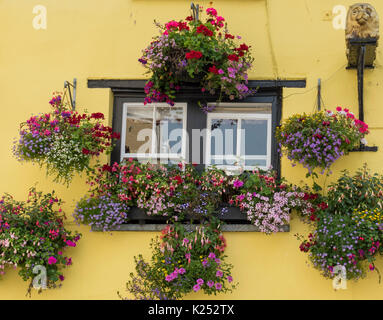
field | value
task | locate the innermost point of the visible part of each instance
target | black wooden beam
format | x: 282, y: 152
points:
x: 139, y: 84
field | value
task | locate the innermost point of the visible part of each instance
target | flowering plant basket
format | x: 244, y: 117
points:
x: 183, y: 261
x: 348, y: 231
x: 194, y: 51
x: 319, y: 139
x: 63, y: 140
x: 33, y: 238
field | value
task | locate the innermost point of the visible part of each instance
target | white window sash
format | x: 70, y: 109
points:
x: 241, y: 159
x: 154, y: 156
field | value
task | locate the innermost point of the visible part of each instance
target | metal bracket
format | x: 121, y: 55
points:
x: 67, y: 88
x: 319, y: 97
x: 195, y: 9
x: 361, y: 55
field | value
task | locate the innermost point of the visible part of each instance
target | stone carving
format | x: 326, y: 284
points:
x: 362, y: 22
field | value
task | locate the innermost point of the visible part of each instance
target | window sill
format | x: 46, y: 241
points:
x: 159, y: 227
x: 235, y: 221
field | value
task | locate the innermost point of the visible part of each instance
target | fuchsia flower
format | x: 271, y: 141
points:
x: 52, y: 260
x: 238, y: 183
x: 196, y: 288
x: 70, y: 243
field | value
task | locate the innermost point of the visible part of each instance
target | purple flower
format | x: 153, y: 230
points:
x: 218, y: 286
x: 200, y: 281
x: 219, y: 273
x: 181, y: 271
x: 211, y: 255
x: 230, y: 279
x: 210, y: 283
x: 196, y: 288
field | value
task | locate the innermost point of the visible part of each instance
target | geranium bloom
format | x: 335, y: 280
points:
x: 233, y: 57
x: 52, y: 260
x: 193, y: 55
x: 196, y: 288
x: 211, y: 12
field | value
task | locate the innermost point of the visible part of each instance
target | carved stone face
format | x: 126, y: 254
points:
x: 362, y: 13
x: 362, y: 21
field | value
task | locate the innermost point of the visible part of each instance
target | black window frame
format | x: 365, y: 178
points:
x: 133, y: 91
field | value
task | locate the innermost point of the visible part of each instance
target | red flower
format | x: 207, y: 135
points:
x: 229, y: 36
x: 205, y: 30
x: 323, y: 205
x: 193, y: 55
x: 85, y: 151
x: 178, y: 179
x: 213, y: 69
x: 243, y: 47
x: 189, y: 18
x: 233, y: 57
x: 97, y: 115
x: 183, y: 26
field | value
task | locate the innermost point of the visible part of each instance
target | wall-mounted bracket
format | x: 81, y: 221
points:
x: 319, y: 96
x: 195, y: 10
x: 68, y: 87
x: 361, y: 54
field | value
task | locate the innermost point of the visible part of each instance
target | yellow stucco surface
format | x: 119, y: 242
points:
x: 91, y: 39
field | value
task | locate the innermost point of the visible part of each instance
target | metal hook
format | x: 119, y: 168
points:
x: 195, y: 9
x: 67, y: 85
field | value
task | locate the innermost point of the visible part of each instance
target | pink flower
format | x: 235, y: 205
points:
x: 52, y: 260
x: 211, y: 11
x: 218, y: 286
x: 70, y: 243
x: 338, y: 109
x: 181, y: 271
x: 230, y: 279
x: 200, y: 281
x: 219, y: 274
x: 210, y: 283
x: 196, y: 288
x: 238, y: 183
x: 211, y: 255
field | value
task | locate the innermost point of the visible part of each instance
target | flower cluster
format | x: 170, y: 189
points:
x: 183, y: 261
x: 318, y: 140
x: 175, y: 191
x: 349, y: 227
x: 63, y: 140
x: 32, y: 236
x: 194, y: 50
x: 266, y: 201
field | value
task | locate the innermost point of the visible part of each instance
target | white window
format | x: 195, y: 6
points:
x: 239, y: 136
x: 154, y: 132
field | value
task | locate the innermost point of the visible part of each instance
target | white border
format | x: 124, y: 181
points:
x: 154, y: 156
x: 241, y: 159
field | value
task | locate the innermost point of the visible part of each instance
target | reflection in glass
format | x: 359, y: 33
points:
x: 254, y: 137
x: 139, y: 125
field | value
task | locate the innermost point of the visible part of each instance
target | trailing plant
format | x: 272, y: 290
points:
x: 63, y: 140
x: 183, y: 261
x: 267, y: 201
x: 319, y: 139
x: 362, y: 191
x: 203, y: 51
x: 33, y: 237
x: 348, y: 231
x: 347, y: 241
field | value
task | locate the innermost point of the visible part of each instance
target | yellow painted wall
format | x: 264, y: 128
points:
x: 103, y: 39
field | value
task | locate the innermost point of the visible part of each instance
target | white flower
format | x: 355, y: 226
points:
x: 363, y: 141
x: 330, y: 113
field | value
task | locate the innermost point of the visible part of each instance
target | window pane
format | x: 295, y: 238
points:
x: 255, y: 163
x: 224, y: 137
x: 169, y: 125
x: 254, y: 137
x: 139, y: 124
